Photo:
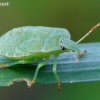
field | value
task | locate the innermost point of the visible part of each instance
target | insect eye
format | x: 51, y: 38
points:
x: 63, y: 47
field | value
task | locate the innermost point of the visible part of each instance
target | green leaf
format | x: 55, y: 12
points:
x: 68, y: 70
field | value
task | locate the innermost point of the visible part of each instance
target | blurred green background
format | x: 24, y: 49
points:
x: 78, y: 16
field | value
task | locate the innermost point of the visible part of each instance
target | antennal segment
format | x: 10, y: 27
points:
x: 88, y: 33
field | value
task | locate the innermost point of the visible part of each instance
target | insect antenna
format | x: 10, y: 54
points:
x: 88, y: 33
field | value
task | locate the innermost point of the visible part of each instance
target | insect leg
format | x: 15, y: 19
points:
x: 55, y: 73
x: 14, y: 63
x: 88, y: 33
x: 36, y: 72
x: 82, y: 53
x: 75, y: 56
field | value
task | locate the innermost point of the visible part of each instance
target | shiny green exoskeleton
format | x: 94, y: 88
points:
x: 31, y: 44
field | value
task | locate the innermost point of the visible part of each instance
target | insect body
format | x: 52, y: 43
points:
x: 31, y: 44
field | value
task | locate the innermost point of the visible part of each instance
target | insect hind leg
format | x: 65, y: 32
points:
x: 15, y: 63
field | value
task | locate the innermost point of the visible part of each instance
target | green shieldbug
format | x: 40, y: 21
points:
x: 31, y: 44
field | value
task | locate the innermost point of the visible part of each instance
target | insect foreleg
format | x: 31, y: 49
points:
x: 82, y: 53
x: 75, y: 56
